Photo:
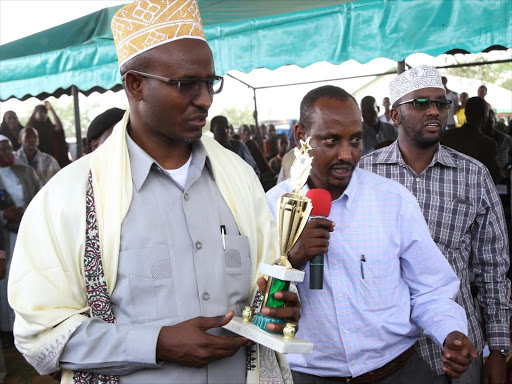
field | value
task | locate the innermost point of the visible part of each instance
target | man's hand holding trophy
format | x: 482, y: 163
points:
x: 294, y: 210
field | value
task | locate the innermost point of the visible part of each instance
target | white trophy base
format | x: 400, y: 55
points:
x: 281, y: 273
x: 269, y: 340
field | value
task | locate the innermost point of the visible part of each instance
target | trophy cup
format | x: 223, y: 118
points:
x: 293, y: 213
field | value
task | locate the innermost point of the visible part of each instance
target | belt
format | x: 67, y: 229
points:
x: 379, y: 373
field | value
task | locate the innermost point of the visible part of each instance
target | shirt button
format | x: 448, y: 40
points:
x: 185, y: 196
x: 417, y: 179
x: 198, y: 245
x: 340, y: 297
x: 206, y: 295
x: 347, y: 331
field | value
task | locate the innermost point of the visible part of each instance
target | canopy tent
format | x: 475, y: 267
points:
x: 249, y: 34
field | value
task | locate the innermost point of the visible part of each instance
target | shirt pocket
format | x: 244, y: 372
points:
x: 379, y: 279
x: 449, y: 220
x: 148, y: 274
x: 237, y: 269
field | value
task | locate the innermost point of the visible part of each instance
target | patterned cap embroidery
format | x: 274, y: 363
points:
x: 146, y: 24
x: 420, y: 77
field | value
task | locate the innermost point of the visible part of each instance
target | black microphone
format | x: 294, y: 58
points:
x: 321, y: 200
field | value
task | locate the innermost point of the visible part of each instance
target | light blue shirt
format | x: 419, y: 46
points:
x: 371, y: 311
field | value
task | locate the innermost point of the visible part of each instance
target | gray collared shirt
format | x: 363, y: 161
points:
x: 172, y: 267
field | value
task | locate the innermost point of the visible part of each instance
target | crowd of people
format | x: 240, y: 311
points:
x: 126, y: 265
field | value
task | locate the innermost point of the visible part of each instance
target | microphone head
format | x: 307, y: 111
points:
x: 321, y: 199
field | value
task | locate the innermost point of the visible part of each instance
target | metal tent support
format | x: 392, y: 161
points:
x: 78, y: 128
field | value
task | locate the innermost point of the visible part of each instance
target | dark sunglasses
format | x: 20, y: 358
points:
x: 426, y: 103
x: 189, y: 88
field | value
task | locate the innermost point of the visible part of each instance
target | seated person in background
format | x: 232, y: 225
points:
x: 29, y: 154
x: 282, y: 148
x: 470, y: 140
x: 219, y: 127
x: 374, y: 131
x: 385, y: 280
x: 102, y: 125
x: 18, y: 185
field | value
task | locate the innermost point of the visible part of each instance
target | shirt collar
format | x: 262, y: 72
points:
x: 141, y: 163
x: 350, y: 192
x: 392, y: 155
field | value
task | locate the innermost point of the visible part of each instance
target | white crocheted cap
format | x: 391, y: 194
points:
x: 420, y: 77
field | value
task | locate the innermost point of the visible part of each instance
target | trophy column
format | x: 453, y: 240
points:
x: 293, y: 213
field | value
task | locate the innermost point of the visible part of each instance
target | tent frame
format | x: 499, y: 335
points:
x: 401, y: 65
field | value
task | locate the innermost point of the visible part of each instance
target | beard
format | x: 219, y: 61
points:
x: 186, y: 140
x: 153, y: 124
x: 418, y: 136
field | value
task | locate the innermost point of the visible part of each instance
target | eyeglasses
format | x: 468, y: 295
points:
x: 189, y: 88
x: 426, y: 103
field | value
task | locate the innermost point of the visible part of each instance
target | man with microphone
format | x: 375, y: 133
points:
x: 385, y: 282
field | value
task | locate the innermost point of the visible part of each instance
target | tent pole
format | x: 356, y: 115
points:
x: 255, y: 114
x: 78, y: 129
x: 255, y: 110
x: 400, y: 67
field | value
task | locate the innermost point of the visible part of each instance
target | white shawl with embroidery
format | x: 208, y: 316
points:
x: 46, y: 282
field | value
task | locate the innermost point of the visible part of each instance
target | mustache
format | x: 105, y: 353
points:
x: 341, y: 163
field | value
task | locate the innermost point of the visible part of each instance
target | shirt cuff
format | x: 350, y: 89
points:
x: 498, y: 336
x: 141, y: 344
x: 442, y: 331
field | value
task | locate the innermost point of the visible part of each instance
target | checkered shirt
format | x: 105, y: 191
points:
x: 466, y: 221
x: 384, y: 281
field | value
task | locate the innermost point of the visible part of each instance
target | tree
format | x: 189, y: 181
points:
x: 238, y: 116
x: 498, y: 74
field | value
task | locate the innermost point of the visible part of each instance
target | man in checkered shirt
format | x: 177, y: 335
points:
x: 463, y: 211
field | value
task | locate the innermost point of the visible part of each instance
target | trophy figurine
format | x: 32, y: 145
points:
x: 293, y: 212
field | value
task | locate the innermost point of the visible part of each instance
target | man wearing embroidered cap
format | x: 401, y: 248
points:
x: 464, y: 213
x: 147, y: 246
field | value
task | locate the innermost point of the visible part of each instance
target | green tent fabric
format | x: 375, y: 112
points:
x: 249, y: 34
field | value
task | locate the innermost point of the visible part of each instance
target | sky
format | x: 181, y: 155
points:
x: 39, y: 15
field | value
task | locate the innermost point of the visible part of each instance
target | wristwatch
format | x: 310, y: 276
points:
x: 503, y: 352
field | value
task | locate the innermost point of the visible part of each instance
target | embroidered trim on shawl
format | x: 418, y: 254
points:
x: 95, y: 284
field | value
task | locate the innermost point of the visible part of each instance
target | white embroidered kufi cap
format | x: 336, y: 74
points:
x: 4, y: 138
x: 420, y: 77
x: 146, y: 24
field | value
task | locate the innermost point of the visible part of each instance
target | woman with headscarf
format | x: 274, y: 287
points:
x: 11, y: 128
x: 52, y: 139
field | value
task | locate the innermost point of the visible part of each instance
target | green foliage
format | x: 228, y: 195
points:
x: 498, y: 74
x: 238, y: 116
x: 65, y: 110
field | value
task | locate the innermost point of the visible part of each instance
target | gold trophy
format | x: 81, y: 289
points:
x: 293, y: 212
